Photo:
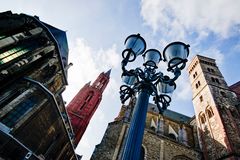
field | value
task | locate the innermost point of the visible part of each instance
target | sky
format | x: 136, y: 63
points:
x: 97, y: 29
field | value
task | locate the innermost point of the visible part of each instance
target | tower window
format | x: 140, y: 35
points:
x: 84, y: 104
x: 213, y: 79
x: 223, y: 94
x: 198, y: 84
x: 202, y: 118
x: 210, y: 70
x: 195, y: 75
x: 201, y: 98
x: 89, y: 96
x: 210, y: 112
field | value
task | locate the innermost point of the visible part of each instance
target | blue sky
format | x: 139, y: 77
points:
x: 96, y: 30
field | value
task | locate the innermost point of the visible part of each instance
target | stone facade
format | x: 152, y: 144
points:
x: 167, y: 136
x: 216, y: 110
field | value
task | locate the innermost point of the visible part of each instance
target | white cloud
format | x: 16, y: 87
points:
x: 183, y: 90
x: 176, y: 17
x: 87, y: 65
x: 215, y: 54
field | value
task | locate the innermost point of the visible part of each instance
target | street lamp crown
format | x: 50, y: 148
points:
x: 148, y: 82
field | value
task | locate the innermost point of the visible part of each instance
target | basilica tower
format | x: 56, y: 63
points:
x: 216, y: 110
x: 85, y: 103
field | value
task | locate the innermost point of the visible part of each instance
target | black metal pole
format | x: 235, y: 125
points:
x: 133, y: 143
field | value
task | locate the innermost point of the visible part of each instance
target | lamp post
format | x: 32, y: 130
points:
x: 148, y: 82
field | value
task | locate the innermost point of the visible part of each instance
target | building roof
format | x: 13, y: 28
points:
x: 61, y: 39
x: 108, y: 72
x: 236, y: 88
x: 170, y: 114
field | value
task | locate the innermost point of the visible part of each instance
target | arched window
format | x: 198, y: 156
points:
x: 83, y: 105
x: 202, y: 118
x: 172, y: 136
x: 199, y: 83
x: 209, y: 112
x: 213, y: 79
x: 89, y: 96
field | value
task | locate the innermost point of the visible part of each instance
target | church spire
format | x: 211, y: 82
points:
x: 108, y: 72
x: 85, y: 103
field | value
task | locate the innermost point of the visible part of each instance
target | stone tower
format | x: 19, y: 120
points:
x: 85, y: 103
x: 216, y: 111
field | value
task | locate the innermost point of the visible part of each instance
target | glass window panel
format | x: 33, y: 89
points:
x: 14, y: 115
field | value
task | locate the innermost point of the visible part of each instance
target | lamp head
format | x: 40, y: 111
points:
x: 152, y: 57
x: 135, y: 45
x: 166, y: 87
x: 176, y: 54
x: 129, y: 80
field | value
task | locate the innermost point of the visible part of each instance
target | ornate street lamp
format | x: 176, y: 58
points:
x: 148, y: 82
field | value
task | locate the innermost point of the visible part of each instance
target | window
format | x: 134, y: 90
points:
x: 14, y: 115
x: 195, y: 75
x: 211, y: 70
x: 209, y: 112
x: 84, y: 104
x: 89, y: 96
x: 223, y: 94
x: 198, y: 84
x: 172, y: 136
x: 213, y: 79
x: 201, y: 98
x: 202, y: 118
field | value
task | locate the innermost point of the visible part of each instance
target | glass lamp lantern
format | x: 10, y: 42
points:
x: 152, y: 57
x: 135, y: 45
x: 129, y: 80
x: 176, y: 54
x: 165, y: 87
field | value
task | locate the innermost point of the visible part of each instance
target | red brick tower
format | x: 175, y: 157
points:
x: 216, y: 110
x: 85, y: 103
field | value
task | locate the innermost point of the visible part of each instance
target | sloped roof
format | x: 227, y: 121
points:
x: 170, y: 114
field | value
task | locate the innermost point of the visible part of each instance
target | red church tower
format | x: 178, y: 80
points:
x: 85, y: 103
